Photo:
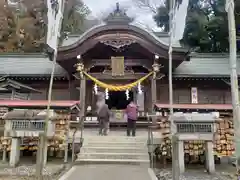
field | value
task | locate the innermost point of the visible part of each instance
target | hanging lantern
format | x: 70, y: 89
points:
x: 106, y: 94
x: 127, y: 94
x: 95, y: 88
x: 139, y: 88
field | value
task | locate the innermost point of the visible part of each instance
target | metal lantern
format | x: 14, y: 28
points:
x: 80, y: 68
x: 155, y: 69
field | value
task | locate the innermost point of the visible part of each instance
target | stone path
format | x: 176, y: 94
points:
x: 107, y: 172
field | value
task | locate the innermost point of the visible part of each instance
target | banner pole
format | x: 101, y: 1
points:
x: 234, y: 78
x: 44, y: 136
x: 175, y: 164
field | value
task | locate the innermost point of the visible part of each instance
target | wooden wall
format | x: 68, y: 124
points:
x: 209, y: 92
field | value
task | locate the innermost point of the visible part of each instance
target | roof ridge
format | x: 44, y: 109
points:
x: 23, y: 55
x: 212, y: 55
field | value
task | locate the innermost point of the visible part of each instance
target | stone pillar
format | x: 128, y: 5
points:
x: 15, y: 152
x: 210, y: 165
x: 180, y: 146
x: 6, y: 128
x: 45, y: 154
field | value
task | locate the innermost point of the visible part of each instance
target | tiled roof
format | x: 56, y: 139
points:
x: 28, y: 65
x: 200, y: 65
x: 37, y: 104
x: 160, y: 37
x: 206, y: 65
x: 28, y: 114
x: 16, y: 85
x: 196, y: 106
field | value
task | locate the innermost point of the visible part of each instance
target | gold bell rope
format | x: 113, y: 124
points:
x: 117, y: 88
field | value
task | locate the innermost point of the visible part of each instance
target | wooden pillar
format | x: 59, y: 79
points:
x: 135, y: 94
x: 82, y: 96
x: 153, y: 92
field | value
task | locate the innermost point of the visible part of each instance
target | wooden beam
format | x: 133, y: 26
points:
x: 128, y: 62
x: 108, y: 76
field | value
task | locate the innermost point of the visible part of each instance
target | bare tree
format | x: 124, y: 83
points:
x: 150, y: 5
x: 144, y: 26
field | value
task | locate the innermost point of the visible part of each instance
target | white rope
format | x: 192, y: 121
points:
x: 229, y: 3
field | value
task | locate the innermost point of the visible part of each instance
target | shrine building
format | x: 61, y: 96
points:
x: 126, y: 63
x: 117, y: 52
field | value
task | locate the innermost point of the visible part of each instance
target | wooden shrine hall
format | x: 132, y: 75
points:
x: 117, y: 52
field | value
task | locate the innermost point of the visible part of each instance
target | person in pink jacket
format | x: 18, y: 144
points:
x: 132, y: 114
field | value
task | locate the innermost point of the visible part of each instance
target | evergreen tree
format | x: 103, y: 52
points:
x: 206, y: 24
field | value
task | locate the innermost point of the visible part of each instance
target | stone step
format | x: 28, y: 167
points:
x: 113, y: 161
x: 143, y: 156
x: 113, y: 144
x: 105, y: 149
x: 115, y: 139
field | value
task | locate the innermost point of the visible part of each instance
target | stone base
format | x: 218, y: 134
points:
x: 15, y: 152
x: 210, y: 165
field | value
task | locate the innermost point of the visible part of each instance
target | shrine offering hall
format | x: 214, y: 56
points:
x: 125, y: 63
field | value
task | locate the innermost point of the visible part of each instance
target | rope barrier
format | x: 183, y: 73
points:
x: 119, y: 87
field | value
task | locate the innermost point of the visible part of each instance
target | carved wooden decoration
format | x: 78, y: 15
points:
x: 118, y: 43
x: 117, y: 66
x: 118, y: 16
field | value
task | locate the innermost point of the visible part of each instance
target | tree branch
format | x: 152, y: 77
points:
x: 147, y: 4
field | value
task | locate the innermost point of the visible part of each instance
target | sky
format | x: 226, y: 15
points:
x: 143, y: 16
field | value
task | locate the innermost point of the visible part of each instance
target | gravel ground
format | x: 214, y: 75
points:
x: 166, y: 174
x: 27, y: 172
x: 190, y: 175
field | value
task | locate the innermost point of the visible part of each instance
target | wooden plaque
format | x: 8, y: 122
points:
x: 117, y: 66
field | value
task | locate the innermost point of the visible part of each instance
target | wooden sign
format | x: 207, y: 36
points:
x: 117, y: 66
x: 194, y: 95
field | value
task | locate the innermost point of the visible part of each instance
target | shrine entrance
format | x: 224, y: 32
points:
x: 118, y: 100
x: 118, y: 56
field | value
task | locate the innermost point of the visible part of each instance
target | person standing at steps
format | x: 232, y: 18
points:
x: 131, y: 112
x: 103, y: 118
